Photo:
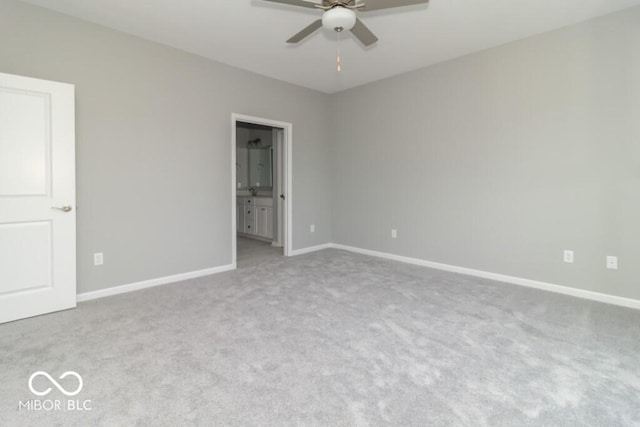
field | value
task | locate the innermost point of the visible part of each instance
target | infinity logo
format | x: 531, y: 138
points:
x: 55, y: 383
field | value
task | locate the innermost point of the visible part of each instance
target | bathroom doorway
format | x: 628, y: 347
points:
x: 261, y: 189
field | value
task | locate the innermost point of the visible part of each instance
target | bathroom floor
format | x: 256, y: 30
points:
x: 252, y: 252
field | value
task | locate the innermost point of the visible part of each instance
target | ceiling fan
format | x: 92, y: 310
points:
x: 340, y: 15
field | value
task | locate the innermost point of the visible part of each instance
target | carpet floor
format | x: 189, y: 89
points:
x: 328, y: 338
x: 252, y: 252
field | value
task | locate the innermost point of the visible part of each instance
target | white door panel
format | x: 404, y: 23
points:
x: 37, y: 174
x: 24, y: 249
x: 23, y: 169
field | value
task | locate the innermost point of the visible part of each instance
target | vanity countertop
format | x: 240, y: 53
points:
x: 254, y: 197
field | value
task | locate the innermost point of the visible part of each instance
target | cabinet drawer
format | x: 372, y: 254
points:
x: 250, y: 226
x: 249, y: 213
x: 263, y: 201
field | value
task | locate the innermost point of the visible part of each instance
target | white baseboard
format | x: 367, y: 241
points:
x: 311, y: 249
x: 87, y: 296
x: 580, y: 293
x: 565, y: 290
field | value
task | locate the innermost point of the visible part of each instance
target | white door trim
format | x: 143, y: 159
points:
x: 287, y: 142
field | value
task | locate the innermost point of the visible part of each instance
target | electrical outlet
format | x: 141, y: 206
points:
x: 394, y: 233
x: 568, y: 257
x: 312, y: 228
x: 612, y: 262
x: 98, y: 258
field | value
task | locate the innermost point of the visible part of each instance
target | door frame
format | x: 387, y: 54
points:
x: 287, y: 171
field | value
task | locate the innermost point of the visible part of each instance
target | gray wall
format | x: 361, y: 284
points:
x: 496, y: 161
x: 500, y: 160
x: 153, y: 144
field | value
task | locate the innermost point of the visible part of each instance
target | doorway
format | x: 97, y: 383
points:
x: 261, y: 165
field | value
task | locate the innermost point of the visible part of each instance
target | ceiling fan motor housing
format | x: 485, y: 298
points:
x: 339, y: 19
x: 340, y: 16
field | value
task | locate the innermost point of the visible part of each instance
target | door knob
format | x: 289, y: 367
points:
x: 65, y: 208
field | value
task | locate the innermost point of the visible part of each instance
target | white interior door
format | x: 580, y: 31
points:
x: 280, y: 188
x: 37, y: 197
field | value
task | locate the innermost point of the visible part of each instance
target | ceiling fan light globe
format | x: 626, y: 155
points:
x: 339, y: 19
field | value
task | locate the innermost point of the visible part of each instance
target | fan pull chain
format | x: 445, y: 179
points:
x: 338, y: 59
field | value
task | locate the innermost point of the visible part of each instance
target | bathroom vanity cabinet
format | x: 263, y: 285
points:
x: 254, y: 217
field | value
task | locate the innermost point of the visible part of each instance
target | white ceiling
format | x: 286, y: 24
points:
x: 251, y: 34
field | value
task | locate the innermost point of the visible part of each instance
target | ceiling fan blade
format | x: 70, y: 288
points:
x: 387, y: 4
x: 363, y: 33
x: 306, y: 32
x: 300, y: 3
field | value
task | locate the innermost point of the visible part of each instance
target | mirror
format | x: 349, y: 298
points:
x: 260, y: 161
x: 254, y: 156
